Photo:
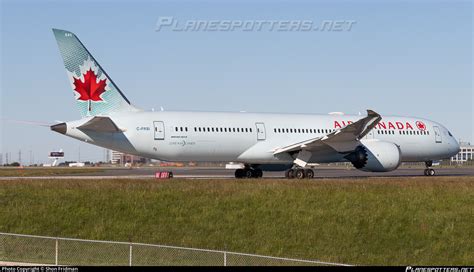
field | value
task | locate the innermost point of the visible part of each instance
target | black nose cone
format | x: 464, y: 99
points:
x: 60, y: 128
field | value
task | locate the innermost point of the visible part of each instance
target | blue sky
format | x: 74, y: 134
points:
x: 401, y: 57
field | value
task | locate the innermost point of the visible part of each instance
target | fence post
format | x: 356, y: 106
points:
x: 130, y: 256
x: 225, y: 258
x: 57, y: 252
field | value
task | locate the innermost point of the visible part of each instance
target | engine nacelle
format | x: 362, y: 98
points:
x: 376, y: 156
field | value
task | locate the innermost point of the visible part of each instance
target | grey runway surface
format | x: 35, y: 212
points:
x: 201, y: 173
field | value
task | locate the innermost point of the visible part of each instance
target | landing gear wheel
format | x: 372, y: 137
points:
x: 430, y: 172
x: 239, y: 173
x: 249, y: 173
x: 300, y: 174
x: 258, y: 173
x: 290, y: 174
x: 309, y: 173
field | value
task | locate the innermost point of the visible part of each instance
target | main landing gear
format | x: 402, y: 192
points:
x: 249, y: 172
x: 299, y: 173
x: 429, y: 171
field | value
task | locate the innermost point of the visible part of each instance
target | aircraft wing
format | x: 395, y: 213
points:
x: 101, y: 124
x: 342, y: 140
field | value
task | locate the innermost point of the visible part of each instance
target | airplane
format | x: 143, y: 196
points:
x: 255, y: 142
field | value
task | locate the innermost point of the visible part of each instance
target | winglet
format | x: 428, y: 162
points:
x: 372, y: 113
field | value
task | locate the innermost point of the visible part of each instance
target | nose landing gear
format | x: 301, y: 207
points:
x: 429, y: 171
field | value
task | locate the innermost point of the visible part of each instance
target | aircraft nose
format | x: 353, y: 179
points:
x: 59, y: 128
x: 458, y: 146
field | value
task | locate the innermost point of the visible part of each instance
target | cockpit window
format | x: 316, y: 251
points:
x: 450, y: 134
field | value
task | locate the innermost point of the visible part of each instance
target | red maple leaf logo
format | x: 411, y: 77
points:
x: 420, y: 125
x: 90, y: 89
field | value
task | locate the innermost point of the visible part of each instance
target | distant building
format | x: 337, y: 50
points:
x: 76, y: 164
x: 466, y: 153
x: 122, y: 158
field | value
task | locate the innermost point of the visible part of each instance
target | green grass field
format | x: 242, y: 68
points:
x: 384, y: 221
x: 46, y: 171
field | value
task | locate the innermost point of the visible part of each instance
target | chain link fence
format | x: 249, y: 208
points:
x: 19, y: 248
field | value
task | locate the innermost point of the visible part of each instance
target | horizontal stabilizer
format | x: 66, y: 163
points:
x: 100, y: 124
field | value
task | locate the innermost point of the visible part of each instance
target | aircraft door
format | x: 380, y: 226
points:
x: 261, y: 135
x: 437, y: 132
x: 159, y: 130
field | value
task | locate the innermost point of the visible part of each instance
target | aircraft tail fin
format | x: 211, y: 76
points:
x: 94, y: 91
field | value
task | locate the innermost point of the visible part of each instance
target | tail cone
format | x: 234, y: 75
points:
x: 60, y: 128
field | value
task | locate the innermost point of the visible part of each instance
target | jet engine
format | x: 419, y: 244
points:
x: 376, y: 156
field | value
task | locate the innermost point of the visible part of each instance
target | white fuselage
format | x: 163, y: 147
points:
x: 253, y: 137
